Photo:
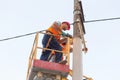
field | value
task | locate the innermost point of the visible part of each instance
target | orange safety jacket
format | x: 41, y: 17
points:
x: 57, y: 36
x: 55, y: 32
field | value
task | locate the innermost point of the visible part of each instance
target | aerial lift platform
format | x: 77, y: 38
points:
x: 43, y: 70
x: 47, y: 70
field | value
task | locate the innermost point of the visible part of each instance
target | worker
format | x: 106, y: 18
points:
x: 53, y: 41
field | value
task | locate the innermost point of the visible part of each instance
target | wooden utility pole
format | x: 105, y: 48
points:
x: 77, y: 41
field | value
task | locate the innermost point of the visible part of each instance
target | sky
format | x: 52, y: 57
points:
x: 18, y: 17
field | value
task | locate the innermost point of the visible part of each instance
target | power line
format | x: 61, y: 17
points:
x: 17, y: 36
x: 21, y: 36
x: 71, y: 24
x: 102, y: 20
x: 98, y: 20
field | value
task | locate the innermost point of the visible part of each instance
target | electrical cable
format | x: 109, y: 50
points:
x: 70, y: 24
x: 98, y: 20
x: 20, y: 36
x: 102, y: 20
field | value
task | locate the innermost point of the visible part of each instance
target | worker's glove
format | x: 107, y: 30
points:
x: 68, y: 35
x: 63, y: 34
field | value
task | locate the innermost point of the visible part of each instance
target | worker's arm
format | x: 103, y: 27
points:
x: 66, y: 34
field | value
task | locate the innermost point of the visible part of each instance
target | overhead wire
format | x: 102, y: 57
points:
x: 21, y: 35
x: 17, y: 36
x: 44, y: 30
x: 98, y: 20
x: 102, y: 20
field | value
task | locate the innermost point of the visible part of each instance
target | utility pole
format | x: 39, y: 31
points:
x: 78, y: 30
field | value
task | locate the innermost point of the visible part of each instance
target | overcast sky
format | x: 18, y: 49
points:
x: 18, y: 17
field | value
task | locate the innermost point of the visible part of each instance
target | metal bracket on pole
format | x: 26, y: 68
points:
x: 82, y: 36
